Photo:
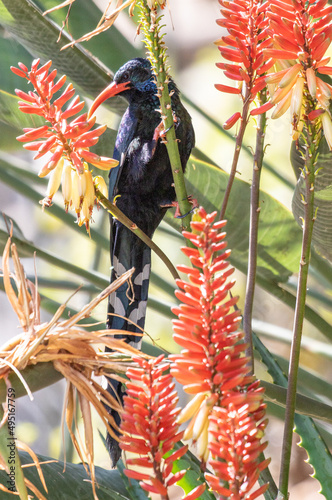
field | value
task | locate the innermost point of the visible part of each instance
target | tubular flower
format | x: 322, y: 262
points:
x: 149, y: 426
x: 301, y: 33
x: 243, y: 48
x: 65, y: 142
x: 212, y: 365
x: 236, y: 432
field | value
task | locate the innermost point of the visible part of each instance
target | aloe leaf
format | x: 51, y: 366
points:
x: 285, y: 336
x: 133, y: 488
x: 111, y: 47
x: 194, y: 475
x: 69, y: 481
x: 319, y: 456
x: 304, y: 405
x: 11, y: 115
x: 279, y: 238
x: 35, y: 376
x: 322, y: 232
x: 307, y: 380
x: 24, y: 20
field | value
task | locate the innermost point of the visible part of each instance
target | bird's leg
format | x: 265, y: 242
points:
x: 160, y: 132
x: 177, y: 214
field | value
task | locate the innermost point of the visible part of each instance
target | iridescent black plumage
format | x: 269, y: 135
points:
x: 142, y: 185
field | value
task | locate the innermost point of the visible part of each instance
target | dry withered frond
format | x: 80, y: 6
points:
x: 60, y: 6
x: 78, y: 354
x: 105, y: 22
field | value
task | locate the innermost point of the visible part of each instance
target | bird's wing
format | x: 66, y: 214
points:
x: 125, y: 135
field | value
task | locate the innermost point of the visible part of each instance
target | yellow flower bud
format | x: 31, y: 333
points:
x: 191, y: 408
x: 66, y: 183
x: 101, y: 185
x: 76, y: 193
x: 89, y: 191
x: 296, y: 102
x: 55, y: 179
x: 327, y: 127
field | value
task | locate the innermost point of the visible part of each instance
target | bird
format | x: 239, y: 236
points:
x: 142, y: 188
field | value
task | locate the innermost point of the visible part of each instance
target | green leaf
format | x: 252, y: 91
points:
x: 23, y: 20
x: 27, y: 249
x: 318, y: 454
x: 133, y: 488
x: 111, y: 47
x: 279, y: 238
x: 11, y: 115
x: 194, y: 475
x: 69, y: 481
x: 36, y: 377
x: 304, y: 405
x: 322, y: 232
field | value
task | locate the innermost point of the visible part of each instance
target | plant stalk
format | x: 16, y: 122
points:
x: 253, y: 233
x: 157, y: 55
x: 116, y: 212
x: 238, y: 146
x: 308, y: 222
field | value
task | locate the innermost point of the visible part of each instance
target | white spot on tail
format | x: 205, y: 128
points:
x: 143, y: 275
x: 117, y: 305
x: 118, y: 267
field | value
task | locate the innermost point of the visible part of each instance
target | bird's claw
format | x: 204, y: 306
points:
x: 178, y: 214
x: 160, y: 132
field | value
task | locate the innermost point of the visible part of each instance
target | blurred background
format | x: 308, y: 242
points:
x: 191, y: 30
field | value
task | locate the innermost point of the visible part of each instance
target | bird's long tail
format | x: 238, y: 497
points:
x: 127, y: 306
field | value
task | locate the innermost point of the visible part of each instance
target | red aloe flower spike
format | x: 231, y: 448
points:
x: 227, y: 402
x: 149, y: 426
x: 60, y: 140
x: 245, y: 45
x: 301, y: 33
x: 237, y: 430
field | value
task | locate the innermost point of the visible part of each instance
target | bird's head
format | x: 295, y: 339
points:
x: 132, y: 78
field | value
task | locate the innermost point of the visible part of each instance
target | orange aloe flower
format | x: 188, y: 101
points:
x: 243, y: 49
x: 150, y: 429
x: 66, y: 141
x: 301, y: 34
x: 212, y: 366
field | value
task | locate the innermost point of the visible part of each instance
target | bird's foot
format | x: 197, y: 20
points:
x: 160, y: 131
x: 178, y: 214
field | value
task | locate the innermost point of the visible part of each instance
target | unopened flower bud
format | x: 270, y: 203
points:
x: 55, y: 179
x: 66, y: 183
x: 296, y: 102
x: 89, y: 191
x: 75, y: 193
x: 101, y: 185
x: 327, y: 127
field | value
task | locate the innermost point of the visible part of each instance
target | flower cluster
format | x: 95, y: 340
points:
x: 150, y: 428
x: 244, y: 46
x: 301, y: 33
x: 212, y: 366
x: 66, y: 142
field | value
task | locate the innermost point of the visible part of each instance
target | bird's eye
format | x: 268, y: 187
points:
x: 125, y: 76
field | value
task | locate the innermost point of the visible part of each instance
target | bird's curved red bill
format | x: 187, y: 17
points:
x: 110, y: 91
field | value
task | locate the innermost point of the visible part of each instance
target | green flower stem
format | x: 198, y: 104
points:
x: 116, y: 212
x: 157, y: 55
x: 253, y: 232
x: 308, y: 223
x: 238, y: 146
